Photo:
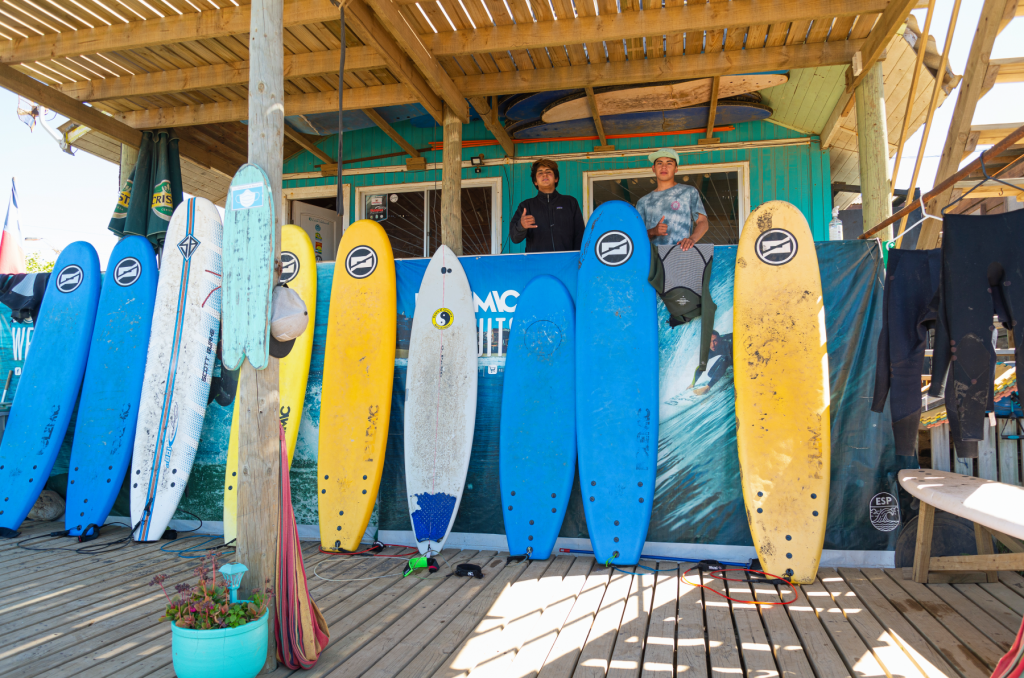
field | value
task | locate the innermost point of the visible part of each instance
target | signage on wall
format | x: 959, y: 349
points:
x: 377, y: 208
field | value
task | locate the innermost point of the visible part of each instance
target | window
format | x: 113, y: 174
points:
x: 723, y: 189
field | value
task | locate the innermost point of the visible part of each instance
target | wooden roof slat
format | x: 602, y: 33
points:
x: 523, y: 17
x: 502, y: 61
x: 820, y: 30
x: 691, y: 42
x: 595, y: 48
x: 714, y: 38
x: 655, y: 43
x: 841, y: 28
x: 60, y: 20
x: 798, y: 32
x: 556, y: 53
x: 326, y: 36
x: 616, y: 47
x: 862, y: 29
x: 564, y: 12
x: 777, y: 35
x: 467, y: 64
x: 310, y: 42
x: 756, y: 36
x: 497, y: 10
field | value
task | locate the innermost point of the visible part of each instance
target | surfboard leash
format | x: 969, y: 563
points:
x: 703, y: 567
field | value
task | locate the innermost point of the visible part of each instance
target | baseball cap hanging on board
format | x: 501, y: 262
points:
x: 288, y: 320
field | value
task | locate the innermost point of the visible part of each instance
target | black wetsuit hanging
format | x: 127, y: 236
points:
x: 982, y: 276
x: 911, y: 281
x: 682, y: 279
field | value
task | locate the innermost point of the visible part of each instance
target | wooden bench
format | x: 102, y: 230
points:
x: 997, y: 510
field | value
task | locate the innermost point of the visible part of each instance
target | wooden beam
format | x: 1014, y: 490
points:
x: 363, y: 22
x: 489, y: 114
x: 990, y: 134
x: 992, y: 13
x: 19, y: 83
x: 219, y: 75
x: 892, y: 18
x: 833, y: 128
x: 439, y: 81
x: 709, y: 137
x: 296, y: 104
x: 592, y: 103
x: 873, y: 147
x: 154, y: 32
x: 451, y: 182
x: 912, y: 94
x: 259, y: 447
x: 698, y: 16
x: 390, y: 131
x: 1011, y: 69
x: 306, y: 143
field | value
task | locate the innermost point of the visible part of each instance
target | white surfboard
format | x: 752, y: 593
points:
x: 179, y: 365
x: 440, y: 399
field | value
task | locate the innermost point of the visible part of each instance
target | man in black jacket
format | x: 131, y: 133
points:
x: 550, y: 222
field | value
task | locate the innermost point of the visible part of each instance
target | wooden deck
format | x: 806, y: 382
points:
x: 65, y: 614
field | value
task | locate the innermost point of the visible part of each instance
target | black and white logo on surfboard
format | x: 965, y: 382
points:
x: 614, y: 248
x: 188, y: 246
x: 361, y: 262
x: 289, y: 267
x: 884, y: 512
x: 127, y: 271
x: 69, y: 278
x: 776, y: 247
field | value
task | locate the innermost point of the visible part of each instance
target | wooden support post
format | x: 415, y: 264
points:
x: 129, y: 156
x: 983, y: 540
x: 259, y: 465
x: 710, y: 138
x: 912, y: 96
x: 873, y: 141
x: 451, y: 182
x: 592, y: 102
x: 923, y: 549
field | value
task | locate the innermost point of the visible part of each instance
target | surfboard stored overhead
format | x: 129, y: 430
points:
x: 109, y: 407
x: 537, y: 442
x: 359, y: 374
x: 616, y: 382
x: 440, y: 399
x: 49, y: 384
x: 780, y: 361
x: 179, y: 365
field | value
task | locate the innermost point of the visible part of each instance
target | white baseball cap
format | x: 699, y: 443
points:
x: 664, y: 153
x: 288, y: 320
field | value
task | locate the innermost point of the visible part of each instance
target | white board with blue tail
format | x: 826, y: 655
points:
x: 537, y: 443
x: 616, y: 382
x: 248, y: 258
x: 50, y: 380
x: 109, y: 408
x: 440, y: 399
x: 179, y: 365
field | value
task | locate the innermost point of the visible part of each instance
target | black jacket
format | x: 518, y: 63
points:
x: 560, y: 225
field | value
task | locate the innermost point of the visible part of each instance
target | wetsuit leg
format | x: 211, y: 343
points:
x: 912, y: 278
x: 982, y: 270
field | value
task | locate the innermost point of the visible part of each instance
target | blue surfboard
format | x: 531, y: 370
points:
x: 50, y: 380
x: 537, y: 443
x: 616, y: 382
x: 109, y: 409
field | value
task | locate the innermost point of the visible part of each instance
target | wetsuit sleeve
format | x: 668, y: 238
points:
x: 941, y: 356
x: 579, y: 227
x: 515, y: 229
x: 707, y: 318
x: 883, y: 369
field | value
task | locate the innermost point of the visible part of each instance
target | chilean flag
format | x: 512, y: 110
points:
x: 12, y: 254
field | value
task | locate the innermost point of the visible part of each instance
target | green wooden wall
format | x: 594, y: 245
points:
x: 798, y: 174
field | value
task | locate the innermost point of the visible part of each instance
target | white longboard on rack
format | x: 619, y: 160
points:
x: 440, y: 399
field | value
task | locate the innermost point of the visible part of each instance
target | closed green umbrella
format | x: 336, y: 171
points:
x: 153, y: 190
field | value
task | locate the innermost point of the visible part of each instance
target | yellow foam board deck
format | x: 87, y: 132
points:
x: 298, y: 271
x: 359, y: 371
x: 780, y: 362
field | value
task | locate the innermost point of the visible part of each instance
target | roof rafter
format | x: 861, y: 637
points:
x: 892, y: 18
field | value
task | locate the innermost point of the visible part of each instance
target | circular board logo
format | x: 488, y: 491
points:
x: 614, y: 248
x: 361, y: 262
x: 443, y: 318
x: 127, y: 271
x: 884, y: 511
x: 69, y: 278
x: 776, y: 247
x: 289, y: 267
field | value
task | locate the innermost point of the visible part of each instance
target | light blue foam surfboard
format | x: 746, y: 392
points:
x: 248, y: 258
x: 537, y: 444
x: 109, y: 410
x: 50, y: 381
x: 616, y: 382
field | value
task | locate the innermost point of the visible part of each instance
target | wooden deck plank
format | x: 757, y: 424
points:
x: 628, y: 653
x: 448, y: 643
x: 722, y: 644
x: 477, y: 647
x: 831, y: 642
x: 659, y: 653
x: 1013, y: 581
x: 873, y: 602
x: 26, y: 574
x: 561, y: 661
x: 873, y: 632
x: 992, y: 602
x: 534, y: 598
x: 530, y: 659
x: 597, y: 651
x: 962, y: 659
x: 123, y: 656
x: 691, y: 645
x: 983, y: 620
x: 790, y: 654
x: 754, y: 646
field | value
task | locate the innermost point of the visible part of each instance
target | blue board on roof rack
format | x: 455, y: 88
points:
x: 531, y: 106
x: 648, y: 122
x: 537, y: 439
x: 105, y: 427
x: 50, y: 381
x: 616, y: 382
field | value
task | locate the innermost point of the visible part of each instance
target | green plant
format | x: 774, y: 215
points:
x: 34, y: 263
x: 207, y: 605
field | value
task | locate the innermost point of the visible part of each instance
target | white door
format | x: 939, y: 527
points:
x: 323, y: 226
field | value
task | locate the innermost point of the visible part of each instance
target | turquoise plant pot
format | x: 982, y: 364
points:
x: 220, y: 653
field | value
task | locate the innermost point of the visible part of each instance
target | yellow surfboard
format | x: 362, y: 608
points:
x: 359, y: 369
x: 780, y: 363
x: 298, y: 271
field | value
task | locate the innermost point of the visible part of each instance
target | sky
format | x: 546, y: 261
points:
x: 66, y: 198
